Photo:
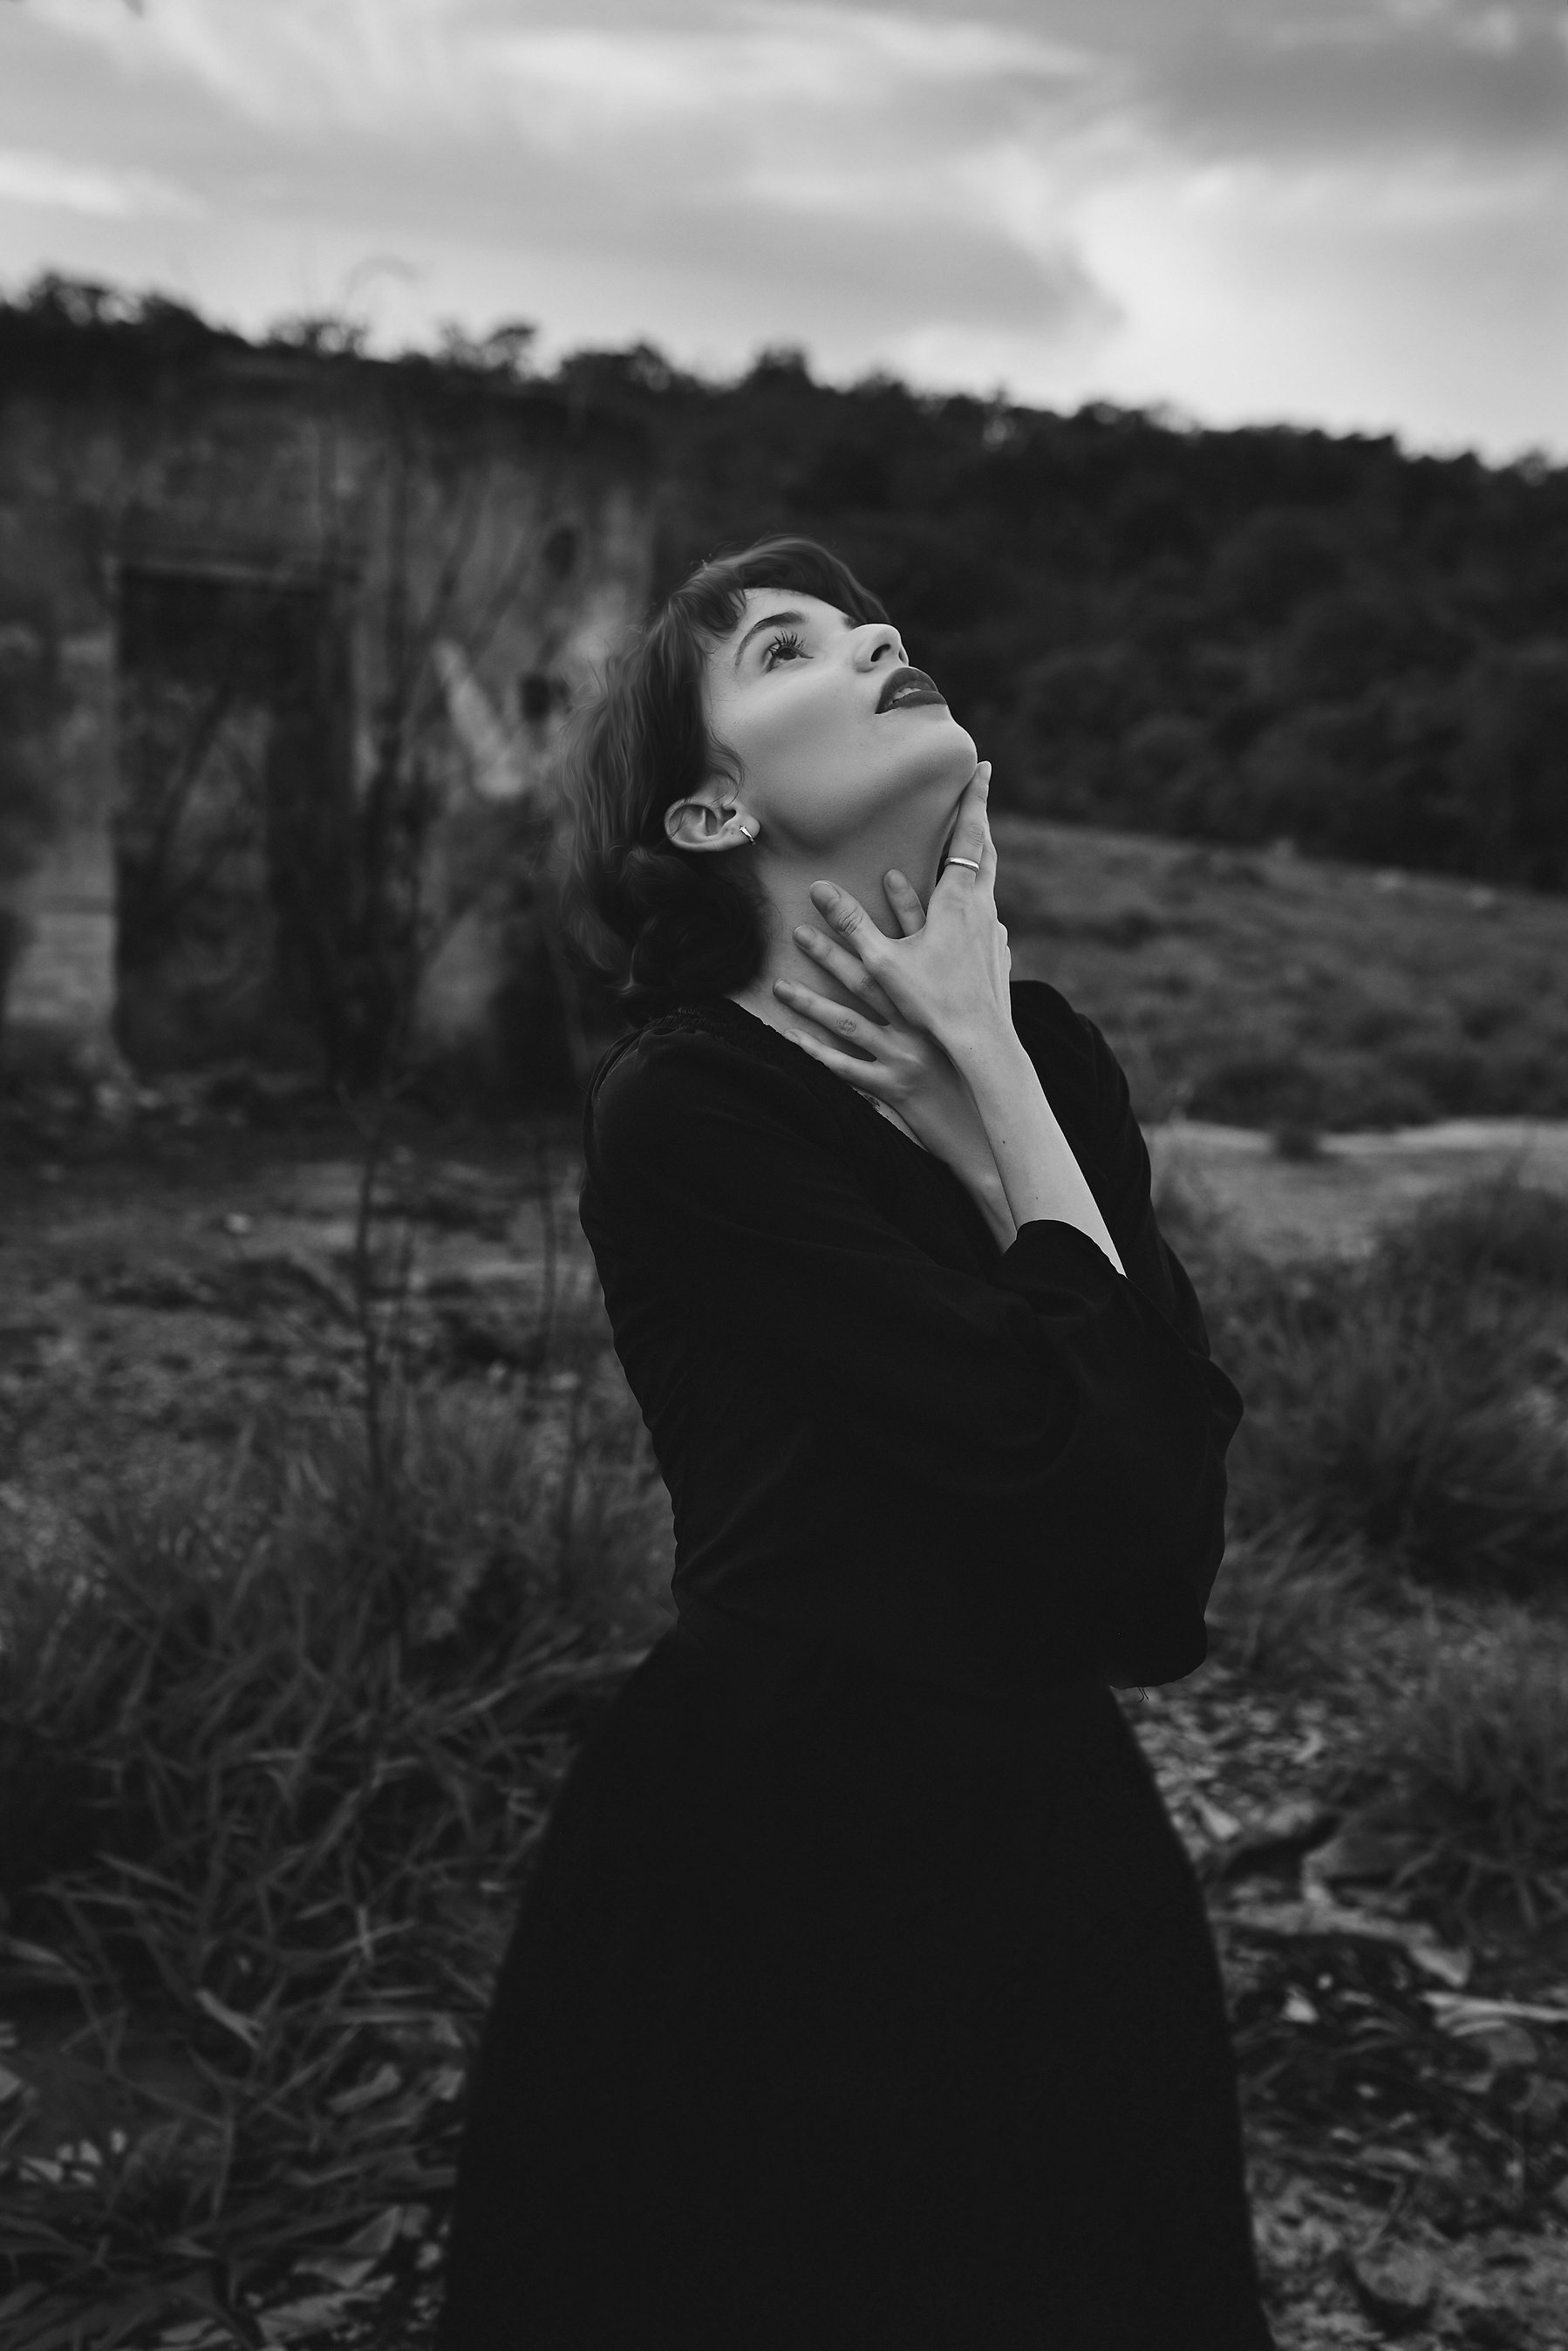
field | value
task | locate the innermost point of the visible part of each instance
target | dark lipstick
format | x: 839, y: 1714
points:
x: 906, y: 688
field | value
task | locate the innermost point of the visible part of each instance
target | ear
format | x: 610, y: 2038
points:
x: 705, y: 823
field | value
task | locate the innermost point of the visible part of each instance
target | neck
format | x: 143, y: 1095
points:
x: 857, y: 867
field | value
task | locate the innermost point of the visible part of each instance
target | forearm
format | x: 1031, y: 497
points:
x: 962, y: 1144
x: 1039, y: 1177
x: 986, y: 1187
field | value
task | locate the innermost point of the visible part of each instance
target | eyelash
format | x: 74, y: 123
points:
x: 788, y: 642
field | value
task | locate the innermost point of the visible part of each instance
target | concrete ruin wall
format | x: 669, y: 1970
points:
x: 496, y: 540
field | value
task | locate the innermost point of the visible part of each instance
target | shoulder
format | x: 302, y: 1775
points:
x: 687, y: 1086
x: 1088, y: 1090
x: 1080, y: 1074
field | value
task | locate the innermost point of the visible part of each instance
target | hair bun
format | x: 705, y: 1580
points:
x: 693, y: 933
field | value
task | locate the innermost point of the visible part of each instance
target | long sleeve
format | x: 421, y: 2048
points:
x: 1056, y: 1420
x: 1116, y: 1161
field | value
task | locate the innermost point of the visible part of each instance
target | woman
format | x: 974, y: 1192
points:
x: 863, y: 1995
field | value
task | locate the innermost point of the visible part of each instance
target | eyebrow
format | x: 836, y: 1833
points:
x: 769, y: 620
x: 776, y: 621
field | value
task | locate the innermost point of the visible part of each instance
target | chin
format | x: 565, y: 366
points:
x: 938, y: 745
x: 953, y: 755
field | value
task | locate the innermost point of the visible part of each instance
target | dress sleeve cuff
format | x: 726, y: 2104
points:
x: 1051, y: 1255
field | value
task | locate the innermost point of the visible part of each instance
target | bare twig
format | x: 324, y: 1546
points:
x: 544, y: 1175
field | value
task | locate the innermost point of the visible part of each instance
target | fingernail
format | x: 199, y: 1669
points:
x: 824, y: 890
x: 803, y: 935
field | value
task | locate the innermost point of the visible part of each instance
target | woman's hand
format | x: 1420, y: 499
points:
x: 947, y: 975
x: 892, y: 1063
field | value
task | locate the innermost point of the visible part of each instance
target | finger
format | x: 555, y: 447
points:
x: 987, y: 874
x: 844, y: 1066
x: 971, y: 831
x: 838, y: 1019
x: 846, y: 917
x: 905, y: 899
x: 843, y: 966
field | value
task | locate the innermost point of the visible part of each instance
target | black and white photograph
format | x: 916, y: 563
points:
x: 783, y: 1175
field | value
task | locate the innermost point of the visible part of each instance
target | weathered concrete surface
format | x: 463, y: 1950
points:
x: 452, y: 559
x: 63, y: 983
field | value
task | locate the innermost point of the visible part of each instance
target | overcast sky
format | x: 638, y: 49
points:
x: 1351, y: 212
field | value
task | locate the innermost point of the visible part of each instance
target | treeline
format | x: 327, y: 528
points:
x: 1252, y: 636
x: 1245, y: 635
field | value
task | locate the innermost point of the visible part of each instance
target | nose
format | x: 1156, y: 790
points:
x: 878, y: 643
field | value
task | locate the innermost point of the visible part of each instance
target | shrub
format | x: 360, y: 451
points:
x: 1500, y: 1228
x: 1297, y: 1140
x: 1468, y: 1772
x: 1416, y: 1403
x: 1284, y: 1605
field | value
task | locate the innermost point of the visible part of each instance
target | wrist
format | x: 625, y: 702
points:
x: 995, y: 1066
x: 983, y: 1046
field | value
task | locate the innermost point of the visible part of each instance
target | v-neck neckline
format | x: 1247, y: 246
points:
x: 853, y: 1091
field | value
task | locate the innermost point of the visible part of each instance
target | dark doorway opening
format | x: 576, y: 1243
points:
x: 234, y: 806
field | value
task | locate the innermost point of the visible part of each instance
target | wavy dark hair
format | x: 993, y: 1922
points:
x: 665, y: 928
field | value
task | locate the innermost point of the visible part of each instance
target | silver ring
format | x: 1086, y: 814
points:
x: 973, y: 863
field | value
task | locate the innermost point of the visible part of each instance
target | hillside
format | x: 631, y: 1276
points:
x: 1236, y: 635
x: 1275, y: 991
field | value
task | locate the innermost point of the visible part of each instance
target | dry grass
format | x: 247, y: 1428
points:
x: 1285, y: 1607
x: 1412, y: 1409
x: 275, y: 1752
x: 274, y: 1770
x: 1465, y: 1766
x: 1401, y: 1500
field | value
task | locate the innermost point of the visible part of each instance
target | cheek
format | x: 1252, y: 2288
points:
x: 798, y: 751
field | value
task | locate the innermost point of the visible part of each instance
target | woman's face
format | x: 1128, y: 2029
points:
x: 833, y: 730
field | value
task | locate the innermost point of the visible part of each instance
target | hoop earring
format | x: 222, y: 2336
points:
x: 750, y: 836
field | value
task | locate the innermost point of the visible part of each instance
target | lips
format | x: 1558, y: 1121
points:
x: 906, y: 687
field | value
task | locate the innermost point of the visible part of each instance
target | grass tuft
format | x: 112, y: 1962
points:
x: 1414, y: 1406
x: 287, y: 1751
x: 1469, y: 1769
x: 1296, y: 1140
x: 1283, y: 1605
x: 1500, y: 1230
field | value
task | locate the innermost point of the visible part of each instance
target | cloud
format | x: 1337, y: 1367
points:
x: 830, y: 165
x: 1390, y: 84
x: 52, y: 184
x: 1291, y: 207
x: 436, y: 65
x: 842, y: 64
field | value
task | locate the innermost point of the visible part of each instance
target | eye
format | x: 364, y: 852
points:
x: 785, y: 646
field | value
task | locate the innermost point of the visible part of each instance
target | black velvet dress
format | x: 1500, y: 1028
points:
x: 863, y: 1994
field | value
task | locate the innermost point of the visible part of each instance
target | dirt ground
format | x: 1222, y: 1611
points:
x: 1404, y: 2100
x: 1335, y: 1197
